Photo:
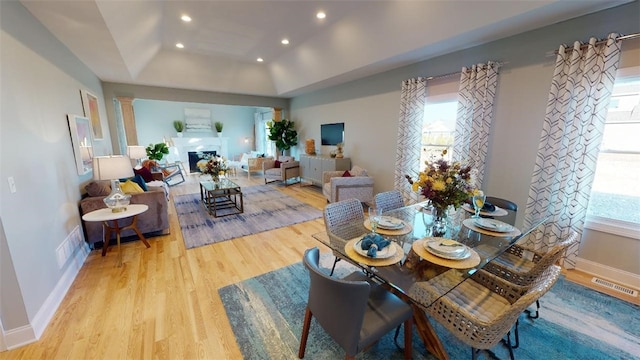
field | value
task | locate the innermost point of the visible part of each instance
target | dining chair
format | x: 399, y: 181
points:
x: 483, y: 309
x: 388, y: 200
x: 521, y: 266
x: 509, y: 206
x: 336, y: 215
x: 354, y: 311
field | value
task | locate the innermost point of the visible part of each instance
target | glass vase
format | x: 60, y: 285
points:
x: 439, y: 227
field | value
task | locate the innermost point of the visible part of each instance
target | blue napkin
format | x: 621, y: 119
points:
x: 372, y: 243
x: 488, y: 207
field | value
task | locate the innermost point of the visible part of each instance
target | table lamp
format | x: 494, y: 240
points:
x: 136, y: 152
x: 113, y: 168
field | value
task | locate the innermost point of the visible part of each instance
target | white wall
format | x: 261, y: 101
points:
x: 370, y: 109
x: 41, y: 82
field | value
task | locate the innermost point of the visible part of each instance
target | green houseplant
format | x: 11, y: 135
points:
x: 178, y: 125
x: 219, y: 125
x: 157, y: 152
x: 283, y: 133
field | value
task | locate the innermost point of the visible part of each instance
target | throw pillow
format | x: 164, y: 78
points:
x: 277, y: 164
x: 130, y: 187
x: 358, y: 171
x: 138, y: 180
x: 145, y: 173
x: 346, y: 174
x: 98, y: 188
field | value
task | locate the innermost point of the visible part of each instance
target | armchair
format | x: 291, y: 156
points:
x: 337, y: 187
x: 171, y: 173
x: 288, y: 168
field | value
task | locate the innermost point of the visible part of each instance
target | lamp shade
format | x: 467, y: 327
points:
x: 136, y: 152
x: 112, y: 167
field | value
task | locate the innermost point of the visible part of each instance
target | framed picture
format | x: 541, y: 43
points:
x: 80, y: 131
x: 92, y: 112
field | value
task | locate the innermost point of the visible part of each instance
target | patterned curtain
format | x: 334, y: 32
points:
x: 412, y: 101
x: 475, y: 112
x: 572, y: 131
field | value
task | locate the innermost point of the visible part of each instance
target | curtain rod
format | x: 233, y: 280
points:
x: 600, y: 42
x: 496, y: 64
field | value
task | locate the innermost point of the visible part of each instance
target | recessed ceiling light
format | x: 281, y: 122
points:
x: 186, y: 18
x: 259, y: 59
x: 180, y: 45
x: 321, y: 15
x: 285, y: 41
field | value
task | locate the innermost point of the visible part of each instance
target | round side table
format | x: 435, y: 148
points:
x: 106, y: 215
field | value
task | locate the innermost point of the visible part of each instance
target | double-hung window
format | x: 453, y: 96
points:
x: 614, y: 205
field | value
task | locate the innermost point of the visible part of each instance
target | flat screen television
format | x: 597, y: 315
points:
x: 332, y: 134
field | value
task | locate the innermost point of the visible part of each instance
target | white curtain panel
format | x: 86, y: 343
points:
x: 412, y: 101
x: 571, y: 135
x: 475, y: 111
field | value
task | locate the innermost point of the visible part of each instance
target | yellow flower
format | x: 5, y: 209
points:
x: 415, y: 186
x: 439, y: 185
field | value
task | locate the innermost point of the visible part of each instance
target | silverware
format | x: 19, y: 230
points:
x: 451, y: 245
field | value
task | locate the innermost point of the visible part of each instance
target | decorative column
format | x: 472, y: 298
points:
x: 129, y: 120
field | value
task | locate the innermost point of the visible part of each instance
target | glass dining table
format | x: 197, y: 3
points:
x: 412, y: 268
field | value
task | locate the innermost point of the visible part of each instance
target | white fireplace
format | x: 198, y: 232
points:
x: 184, y: 145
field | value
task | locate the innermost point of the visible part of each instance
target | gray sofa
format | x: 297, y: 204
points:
x: 152, y: 222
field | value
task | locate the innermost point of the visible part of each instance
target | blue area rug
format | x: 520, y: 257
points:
x: 265, y: 208
x: 266, y: 314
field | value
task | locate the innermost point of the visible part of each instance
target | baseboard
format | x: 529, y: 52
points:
x: 621, y: 277
x: 15, y: 338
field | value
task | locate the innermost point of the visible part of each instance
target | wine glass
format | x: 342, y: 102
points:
x: 374, y: 218
x: 478, y: 203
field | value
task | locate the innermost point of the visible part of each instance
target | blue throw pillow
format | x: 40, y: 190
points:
x: 138, y: 180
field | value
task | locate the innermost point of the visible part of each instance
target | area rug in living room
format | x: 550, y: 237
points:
x: 265, y: 208
x: 266, y: 314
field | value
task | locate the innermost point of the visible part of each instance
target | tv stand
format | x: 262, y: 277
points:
x: 312, y: 167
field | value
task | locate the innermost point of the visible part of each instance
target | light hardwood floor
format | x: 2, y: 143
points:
x: 163, y: 302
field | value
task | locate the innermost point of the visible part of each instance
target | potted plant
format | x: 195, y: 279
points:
x: 179, y: 126
x: 283, y: 133
x: 219, y: 125
x: 157, y: 152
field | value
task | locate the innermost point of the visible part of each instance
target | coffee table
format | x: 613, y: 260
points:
x: 222, y: 197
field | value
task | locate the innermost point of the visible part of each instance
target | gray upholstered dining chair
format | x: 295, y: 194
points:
x: 338, y: 214
x: 483, y: 309
x: 522, y: 266
x: 388, y: 200
x: 354, y: 311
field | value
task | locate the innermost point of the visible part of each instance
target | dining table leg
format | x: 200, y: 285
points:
x: 428, y: 334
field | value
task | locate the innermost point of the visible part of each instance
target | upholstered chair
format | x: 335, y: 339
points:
x: 351, y: 184
x: 354, y: 311
x: 283, y: 169
x: 389, y: 200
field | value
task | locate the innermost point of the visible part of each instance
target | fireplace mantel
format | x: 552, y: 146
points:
x: 185, y: 144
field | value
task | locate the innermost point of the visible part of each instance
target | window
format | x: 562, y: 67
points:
x: 438, y: 127
x: 615, y: 195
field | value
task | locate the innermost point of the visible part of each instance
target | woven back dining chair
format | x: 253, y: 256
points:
x: 354, y: 311
x: 483, y: 309
x: 338, y: 214
x: 521, y: 266
x: 388, y: 200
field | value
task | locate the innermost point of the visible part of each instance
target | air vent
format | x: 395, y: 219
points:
x: 615, y: 287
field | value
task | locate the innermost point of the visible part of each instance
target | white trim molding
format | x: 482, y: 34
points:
x: 618, y: 276
x: 613, y: 226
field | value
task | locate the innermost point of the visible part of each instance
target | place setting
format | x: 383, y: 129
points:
x: 491, y: 227
x: 446, y: 252
x: 386, y: 225
x: 374, y: 250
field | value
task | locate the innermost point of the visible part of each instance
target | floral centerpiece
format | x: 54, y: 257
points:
x: 214, y: 166
x: 444, y: 184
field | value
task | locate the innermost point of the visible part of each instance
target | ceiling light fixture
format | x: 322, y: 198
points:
x: 259, y: 59
x: 180, y: 45
x: 186, y: 18
x: 285, y: 41
x: 321, y: 15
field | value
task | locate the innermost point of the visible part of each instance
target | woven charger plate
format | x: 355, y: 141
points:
x: 419, y: 247
x: 351, y: 252
x: 469, y: 223
x: 407, y: 228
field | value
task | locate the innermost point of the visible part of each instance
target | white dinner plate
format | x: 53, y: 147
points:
x: 387, y: 252
x: 390, y: 223
x: 493, y: 225
x: 447, y: 249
